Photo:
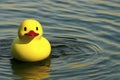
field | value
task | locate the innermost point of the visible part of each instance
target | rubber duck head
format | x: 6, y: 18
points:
x: 30, y: 29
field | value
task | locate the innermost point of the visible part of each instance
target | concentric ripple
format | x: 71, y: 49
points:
x: 84, y: 35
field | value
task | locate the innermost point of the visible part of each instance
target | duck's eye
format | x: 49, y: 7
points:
x: 37, y: 28
x: 25, y: 29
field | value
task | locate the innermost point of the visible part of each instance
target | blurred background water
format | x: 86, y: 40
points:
x: 84, y: 34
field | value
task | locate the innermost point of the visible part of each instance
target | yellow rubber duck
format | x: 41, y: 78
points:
x: 30, y: 45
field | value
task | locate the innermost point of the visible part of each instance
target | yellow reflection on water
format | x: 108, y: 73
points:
x: 31, y: 71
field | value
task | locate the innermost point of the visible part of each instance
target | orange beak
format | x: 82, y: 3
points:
x: 31, y: 33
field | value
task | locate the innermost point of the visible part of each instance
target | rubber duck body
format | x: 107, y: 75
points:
x: 30, y: 45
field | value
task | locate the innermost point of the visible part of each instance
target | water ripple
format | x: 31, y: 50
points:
x: 84, y: 35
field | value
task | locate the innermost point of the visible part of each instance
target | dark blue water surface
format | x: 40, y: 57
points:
x: 84, y: 34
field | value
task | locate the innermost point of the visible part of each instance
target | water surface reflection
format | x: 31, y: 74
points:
x: 31, y: 71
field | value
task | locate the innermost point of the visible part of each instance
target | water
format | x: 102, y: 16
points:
x: 84, y: 35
